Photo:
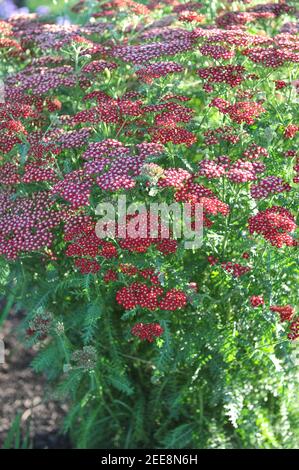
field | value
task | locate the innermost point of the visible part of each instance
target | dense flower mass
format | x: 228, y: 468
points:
x: 182, y: 108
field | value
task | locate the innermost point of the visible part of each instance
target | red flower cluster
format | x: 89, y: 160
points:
x: 110, y: 276
x: 275, y: 224
x: 216, y: 51
x: 74, y: 188
x: 225, y: 133
x: 279, y: 84
x: 26, y: 222
x: 87, y: 266
x: 290, y: 131
x: 137, y: 234
x: 212, y: 260
x: 294, y: 330
x: 152, y: 298
x: 97, y: 66
x: 296, y: 169
x: 235, y: 269
x: 211, y: 169
x: 138, y: 294
x: 240, y: 171
x: 147, y: 331
x: 256, y: 300
x: 242, y: 111
x: 176, y: 135
x: 145, y: 52
x: 115, y: 165
x: 233, y: 75
x: 285, y: 312
x: 173, y: 300
x: 175, y: 177
x: 157, y: 70
x: 268, y: 186
x: 269, y: 57
x: 43, y: 79
x: 255, y: 151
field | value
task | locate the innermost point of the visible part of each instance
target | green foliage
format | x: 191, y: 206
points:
x: 16, y: 438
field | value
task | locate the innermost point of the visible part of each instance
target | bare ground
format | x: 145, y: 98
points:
x: 23, y: 392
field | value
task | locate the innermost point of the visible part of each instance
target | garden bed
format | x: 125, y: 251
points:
x: 25, y: 393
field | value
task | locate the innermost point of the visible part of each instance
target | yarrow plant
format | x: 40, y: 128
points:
x: 174, y: 103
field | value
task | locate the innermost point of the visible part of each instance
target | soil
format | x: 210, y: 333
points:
x: 22, y: 391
